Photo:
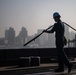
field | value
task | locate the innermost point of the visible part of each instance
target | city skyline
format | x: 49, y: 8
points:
x: 34, y: 14
x: 45, y: 40
x: 38, y: 31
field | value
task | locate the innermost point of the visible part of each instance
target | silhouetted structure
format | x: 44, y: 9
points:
x: 10, y: 36
x: 21, y: 38
x: 45, y: 40
x: 72, y: 43
x: 23, y: 35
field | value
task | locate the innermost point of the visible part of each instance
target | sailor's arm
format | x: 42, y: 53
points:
x: 50, y: 31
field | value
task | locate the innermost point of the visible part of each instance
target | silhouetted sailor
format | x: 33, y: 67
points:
x: 59, y: 30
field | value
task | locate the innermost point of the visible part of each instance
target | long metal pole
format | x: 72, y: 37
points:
x: 36, y: 36
x: 69, y: 26
x: 43, y: 32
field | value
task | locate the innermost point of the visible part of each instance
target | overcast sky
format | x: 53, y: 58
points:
x: 34, y: 14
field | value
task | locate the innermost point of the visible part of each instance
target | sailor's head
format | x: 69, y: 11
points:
x: 56, y: 16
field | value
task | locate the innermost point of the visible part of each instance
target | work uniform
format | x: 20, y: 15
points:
x: 59, y: 34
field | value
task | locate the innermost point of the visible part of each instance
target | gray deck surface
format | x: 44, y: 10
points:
x: 43, y: 69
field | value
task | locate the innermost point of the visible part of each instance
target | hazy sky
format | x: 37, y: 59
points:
x: 34, y: 14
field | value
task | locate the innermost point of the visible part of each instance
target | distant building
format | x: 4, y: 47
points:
x: 22, y: 37
x: 51, y: 40
x: 71, y: 35
x: 67, y: 34
x: 31, y: 44
x: 43, y: 38
x: 72, y: 40
x: 10, y: 36
x: 2, y: 42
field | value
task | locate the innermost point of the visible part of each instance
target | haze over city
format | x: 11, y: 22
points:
x: 34, y: 14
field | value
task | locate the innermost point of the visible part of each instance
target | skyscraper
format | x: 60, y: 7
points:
x: 23, y: 35
x: 10, y: 36
x: 43, y: 38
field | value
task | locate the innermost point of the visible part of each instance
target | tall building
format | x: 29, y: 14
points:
x: 72, y: 39
x: 71, y: 35
x: 10, y: 36
x: 51, y: 40
x: 67, y: 32
x: 22, y: 37
x: 43, y: 38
